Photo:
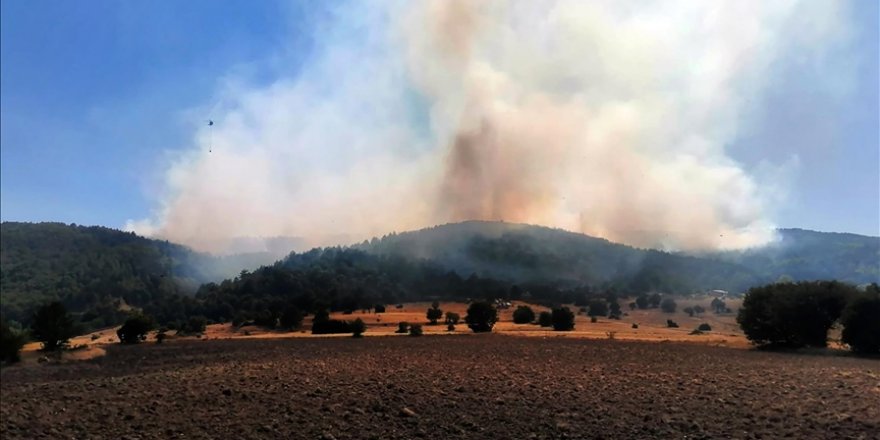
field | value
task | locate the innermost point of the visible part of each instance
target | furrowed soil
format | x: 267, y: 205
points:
x: 458, y: 386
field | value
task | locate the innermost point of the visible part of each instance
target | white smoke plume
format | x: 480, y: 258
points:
x: 607, y: 118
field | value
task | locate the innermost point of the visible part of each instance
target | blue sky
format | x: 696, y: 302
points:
x: 95, y: 94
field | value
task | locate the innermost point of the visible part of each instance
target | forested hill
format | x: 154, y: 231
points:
x: 523, y: 252
x: 98, y: 271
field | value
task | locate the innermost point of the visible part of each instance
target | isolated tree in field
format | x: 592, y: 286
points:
x: 481, y: 316
x: 52, y: 326
x: 793, y: 314
x: 642, y: 302
x: 523, y: 315
x: 434, y: 313
x: 598, y: 307
x: 563, y: 319
x: 614, y: 311
x: 452, y: 318
x: 358, y: 327
x: 668, y: 305
x: 699, y: 309
x: 861, y: 322
x: 291, y: 318
x: 135, y: 329
x: 545, y: 319
x: 633, y: 305
x: 415, y: 330
x: 718, y: 306
x: 689, y: 311
x: 654, y: 300
x: 11, y: 342
x: 402, y: 327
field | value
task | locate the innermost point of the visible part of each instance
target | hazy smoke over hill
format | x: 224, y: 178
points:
x: 608, y: 118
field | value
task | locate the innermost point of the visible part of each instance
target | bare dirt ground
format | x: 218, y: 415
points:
x: 462, y: 386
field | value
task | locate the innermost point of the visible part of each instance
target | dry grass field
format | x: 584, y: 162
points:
x: 488, y: 386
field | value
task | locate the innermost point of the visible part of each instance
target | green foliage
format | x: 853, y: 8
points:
x: 415, y: 330
x: 654, y: 300
x: 379, y: 308
x: 671, y: 324
x: 793, y: 314
x: 523, y: 315
x: 718, y: 306
x: 598, y: 307
x: 195, y: 325
x: 614, y: 311
x: 861, y: 322
x: 452, y: 318
x: 668, y: 305
x: 11, y: 342
x: 689, y: 311
x: 704, y: 327
x: 545, y: 319
x: 563, y: 319
x: 53, y: 326
x: 402, y: 327
x: 642, y: 302
x: 291, y: 318
x: 434, y: 313
x: 358, y: 327
x: 323, y: 325
x: 135, y: 329
x: 481, y: 316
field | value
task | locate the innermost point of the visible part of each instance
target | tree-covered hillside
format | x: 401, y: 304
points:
x: 98, y: 272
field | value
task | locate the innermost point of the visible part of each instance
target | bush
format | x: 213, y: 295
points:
x: 481, y: 317
x: 671, y: 324
x: 861, y: 322
x: 719, y: 306
x: 291, y: 318
x: 323, y: 325
x: 614, y: 311
x: 450, y: 327
x: 545, y: 319
x: 699, y: 309
x: 195, y: 325
x: 704, y: 327
x: 52, y: 326
x: 135, y: 329
x: 563, y: 319
x: 654, y: 300
x: 632, y: 306
x: 379, y: 308
x: 594, y: 319
x: 160, y: 336
x: 642, y: 302
x: 434, y: 313
x: 402, y: 327
x: 668, y: 305
x: 523, y: 315
x: 358, y: 328
x: 792, y: 314
x: 635, y: 325
x: 415, y: 330
x: 689, y: 311
x: 11, y: 342
x: 452, y: 318
x: 598, y: 307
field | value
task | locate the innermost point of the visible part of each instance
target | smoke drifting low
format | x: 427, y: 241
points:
x: 607, y: 118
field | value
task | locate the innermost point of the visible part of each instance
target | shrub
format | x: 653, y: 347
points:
x: 160, y: 336
x: 267, y: 318
x: 11, y: 342
x: 523, y: 315
x: 379, y: 308
x: 704, y: 327
x: 450, y: 327
x: 545, y: 319
x: 614, y: 311
x: 195, y: 325
x: 563, y: 319
x: 642, y: 302
x: 689, y: 311
x: 135, y: 329
x: 632, y: 305
x: 52, y: 326
x: 668, y: 305
x: 358, y: 328
x: 291, y: 318
x: 718, y: 306
x: 654, y: 300
x: 323, y: 325
x: 635, y: 325
x: 792, y: 314
x: 415, y: 330
x: 861, y: 322
x: 481, y: 316
x: 598, y: 307
x: 671, y: 324
x: 594, y: 319
x: 402, y: 327
x: 699, y: 309
x: 452, y: 318
x: 434, y: 313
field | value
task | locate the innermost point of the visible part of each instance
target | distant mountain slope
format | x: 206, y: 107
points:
x: 808, y: 255
x: 528, y: 253
x: 97, y: 270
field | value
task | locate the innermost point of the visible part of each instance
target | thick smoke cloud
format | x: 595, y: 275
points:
x: 608, y: 118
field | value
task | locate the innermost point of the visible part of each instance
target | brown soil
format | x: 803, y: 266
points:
x: 468, y: 386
